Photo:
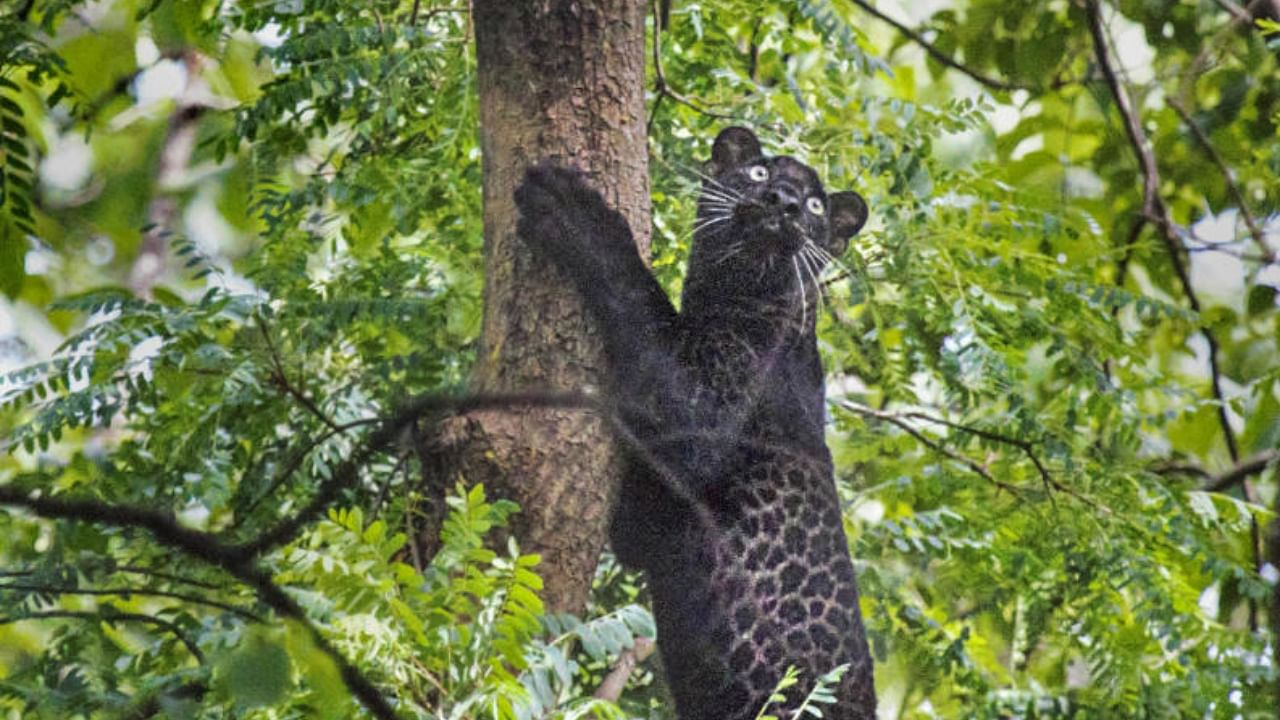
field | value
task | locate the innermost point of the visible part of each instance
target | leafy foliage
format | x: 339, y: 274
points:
x: 1054, y: 415
x: 821, y: 694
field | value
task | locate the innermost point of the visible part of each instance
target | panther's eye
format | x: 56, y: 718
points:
x: 814, y: 205
x: 758, y: 173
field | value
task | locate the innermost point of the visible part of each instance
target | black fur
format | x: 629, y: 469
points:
x: 728, y: 503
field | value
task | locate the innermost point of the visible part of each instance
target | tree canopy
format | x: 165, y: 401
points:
x: 240, y: 258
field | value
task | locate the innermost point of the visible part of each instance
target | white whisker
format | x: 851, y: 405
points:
x: 712, y: 181
x: 828, y: 258
x: 814, y: 271
x: 717, y: 195
x: 813, y: 252
x: 708, y: 221
x: 718, y: 187
x: 717, y: 204
x: 729, y: 254
x: 804, y: 298
x: 708, y: 179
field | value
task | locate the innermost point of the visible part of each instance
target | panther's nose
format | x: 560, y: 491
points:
x: 785, y: 198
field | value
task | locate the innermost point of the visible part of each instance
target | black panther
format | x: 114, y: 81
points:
x: 728, y: 503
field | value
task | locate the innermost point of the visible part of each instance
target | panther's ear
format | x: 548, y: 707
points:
x: 733, y: 146
x: 848, y: 214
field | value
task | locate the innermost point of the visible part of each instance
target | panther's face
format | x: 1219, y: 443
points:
x: 763, y: 219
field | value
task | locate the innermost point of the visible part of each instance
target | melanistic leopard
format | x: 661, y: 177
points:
x: 728, y: 502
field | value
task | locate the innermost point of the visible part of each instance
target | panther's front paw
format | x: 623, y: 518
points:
x: 563, y: 216
x: 545, y: 183
x: 547, y: 189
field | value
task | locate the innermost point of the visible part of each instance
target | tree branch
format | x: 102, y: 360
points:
x: 1122, y: 271
x: 356, y: 682
x: 982, y: 79
x: 1268, y: 255
x: 613, y: 684
x: 1157, y: 213
x: 111, y: 617
x: 347, y: 473
x: 1227, y: 479
x: 128, y: 592
x: 282, y: 381
x: 660, y: 84
x: 139, y: 570
x: 1243, y: 470
x: 297, y: 459
x: 1237, y: 13
x: 1154, y: 210
x: 1239, y: 20
x: 1025, y: 446
x: 162, y: 525
x: 898, y: 420
x: 206, y: 547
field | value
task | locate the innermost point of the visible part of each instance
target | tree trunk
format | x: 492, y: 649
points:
x: 559, y: 80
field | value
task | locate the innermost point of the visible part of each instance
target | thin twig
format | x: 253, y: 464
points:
x: 1023, y: 445
x: 1268, y: 255
x: 111, y: 617
x: 381, y: 497
x: 297, y: 459
x: 660, y: 84
x: 1122, y: 271
x: 127, y: 592
x: 945, y: 59
x: 1182, y: 468
x: 900, y: 419
x: 415, y: 553
x: 282, y: 381
x: 1248, y: 257
x: 133, y: 569
x: 1202, y: 61
x: 896, y: 419
x: 139, y: 570
x: 1239, y: 14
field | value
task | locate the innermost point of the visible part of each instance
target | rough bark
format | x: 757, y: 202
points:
x: 559, y: 80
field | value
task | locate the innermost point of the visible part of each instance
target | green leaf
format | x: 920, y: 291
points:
x: 1261, y: 299
x: 1262, y: 429
x: 13, y: 253
x: 256, y: 673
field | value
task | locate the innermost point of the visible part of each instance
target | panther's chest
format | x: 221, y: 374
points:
x: 753, y: 392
